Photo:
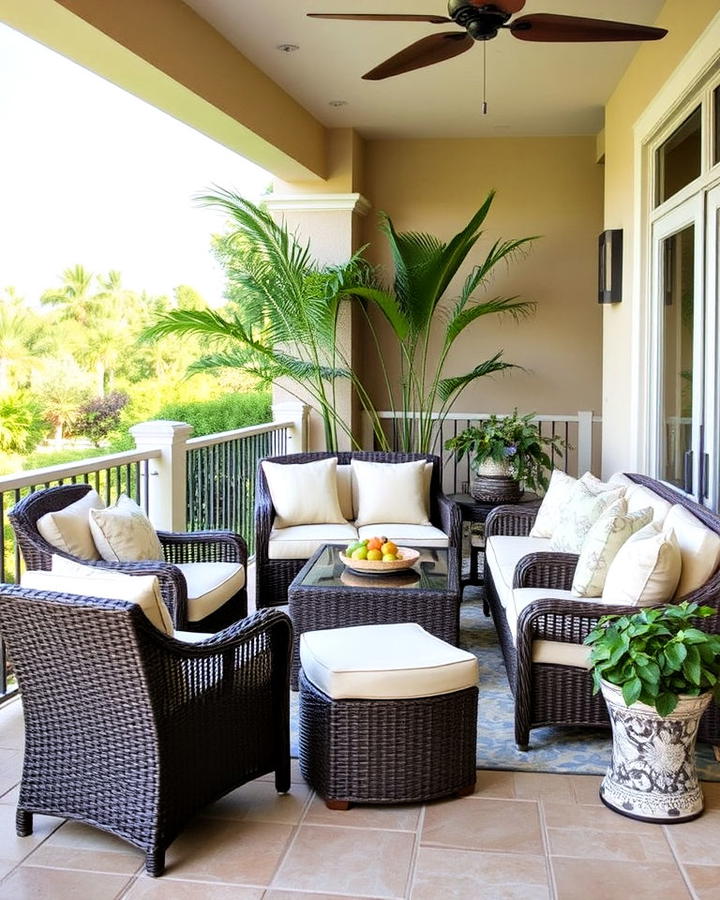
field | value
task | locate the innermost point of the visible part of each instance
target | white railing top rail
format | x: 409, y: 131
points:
x: 72, y: 469
x: 469, y: 416
x: 208, y: 440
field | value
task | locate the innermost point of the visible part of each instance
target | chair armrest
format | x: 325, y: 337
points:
x: 450, y: 519
x: 511, y: 520
x: 203, y: 546
x: 569, y: 621
x: 235, y: 635
x: 264, y: 515
x: 546, y: 570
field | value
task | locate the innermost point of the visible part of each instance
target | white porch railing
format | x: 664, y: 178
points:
x: 581, y: 431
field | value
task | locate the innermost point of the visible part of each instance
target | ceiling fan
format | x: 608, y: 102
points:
x: 482, y: 22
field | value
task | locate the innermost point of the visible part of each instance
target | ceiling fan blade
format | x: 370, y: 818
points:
x: 549, y: 27
x: 508, y: 6
x: 428, y: 50
x: 381, y: 17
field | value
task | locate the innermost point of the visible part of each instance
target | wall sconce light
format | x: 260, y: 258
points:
x: 610, y: 264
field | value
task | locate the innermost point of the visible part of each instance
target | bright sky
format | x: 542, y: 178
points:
x: 91, y: 174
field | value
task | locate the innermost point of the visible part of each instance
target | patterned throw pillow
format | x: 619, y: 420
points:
x: 579, y: 514
x: 601, y: 545
x: 556, y: 496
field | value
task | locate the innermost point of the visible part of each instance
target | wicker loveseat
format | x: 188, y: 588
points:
x: 541, y: 625
x: 276, y: 566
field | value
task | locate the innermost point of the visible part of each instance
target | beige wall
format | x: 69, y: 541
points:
x: 648, y: 72
x: 546, y: 186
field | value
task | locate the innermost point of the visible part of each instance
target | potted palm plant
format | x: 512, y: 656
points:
x: 506, y: 454
x: 657, y: 672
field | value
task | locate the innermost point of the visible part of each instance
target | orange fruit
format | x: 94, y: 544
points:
x: 388, y: 548
x: 374, y: 544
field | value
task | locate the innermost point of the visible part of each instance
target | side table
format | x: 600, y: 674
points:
x: 473, y: 510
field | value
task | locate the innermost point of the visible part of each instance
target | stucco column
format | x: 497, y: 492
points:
x: 297, y: 413
x: 330, y: 222
x: 166, y: 488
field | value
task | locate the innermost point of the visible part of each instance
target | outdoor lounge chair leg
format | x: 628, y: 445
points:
x: 282, y: 777
x: 466, y: 791
x: 341, y: 805
x: 155, y: 863
x: 23, y: 822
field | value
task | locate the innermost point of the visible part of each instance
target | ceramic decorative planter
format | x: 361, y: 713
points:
x: 493, y: 483
x: 652, y: 775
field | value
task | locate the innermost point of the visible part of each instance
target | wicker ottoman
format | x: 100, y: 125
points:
x: 388, y: 714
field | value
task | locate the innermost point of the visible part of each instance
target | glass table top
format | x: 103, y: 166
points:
x: 429, y: 573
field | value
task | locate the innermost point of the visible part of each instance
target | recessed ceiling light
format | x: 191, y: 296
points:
x: 337, y: 103
x: 287, y: 48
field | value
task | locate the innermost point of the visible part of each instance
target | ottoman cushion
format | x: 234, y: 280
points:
x: 384, y: 662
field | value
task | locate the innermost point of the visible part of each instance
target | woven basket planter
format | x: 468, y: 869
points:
x: 493, y: 483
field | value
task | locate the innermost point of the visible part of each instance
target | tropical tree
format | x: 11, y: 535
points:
x: 422, y: 318
x: 281, y: 322
x: 23, y: 343
x: 21, y: 424
x: 75, y: 296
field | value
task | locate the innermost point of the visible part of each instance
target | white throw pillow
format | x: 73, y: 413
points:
x: 582, y: 509
x: 304, y: 493
x: 68, y: 577
x: 646, y: 569
x: 390, y: 492
x: 123, y: 533
x: 600, y: 547
x: 548, y: 515
x: 68, y: 529
x: 699, y: 548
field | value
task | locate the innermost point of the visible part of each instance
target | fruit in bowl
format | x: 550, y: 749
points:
x: 374, y: 548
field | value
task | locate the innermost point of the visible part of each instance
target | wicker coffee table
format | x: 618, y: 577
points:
x: 324, y: 594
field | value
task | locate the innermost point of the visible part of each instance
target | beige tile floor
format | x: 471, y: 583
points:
x: 519, y: 836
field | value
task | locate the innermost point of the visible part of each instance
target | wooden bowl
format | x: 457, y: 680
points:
x: 407, y: 558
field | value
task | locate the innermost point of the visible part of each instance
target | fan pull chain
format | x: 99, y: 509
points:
x: 484, y: 99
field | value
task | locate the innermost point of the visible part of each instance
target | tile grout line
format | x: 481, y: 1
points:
x: 549, y: 869
x: 412, y: 869
x: 680, y: 865
x: 292, y: 838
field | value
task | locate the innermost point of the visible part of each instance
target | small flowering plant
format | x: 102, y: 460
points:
x: 513, y: 439
x: 656, y: 655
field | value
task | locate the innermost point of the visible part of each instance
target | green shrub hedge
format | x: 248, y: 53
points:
x: 223, y: 414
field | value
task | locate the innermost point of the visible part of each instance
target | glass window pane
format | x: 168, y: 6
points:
x: 679, y: 281
x: 678, y: 158
x: 716, y: 120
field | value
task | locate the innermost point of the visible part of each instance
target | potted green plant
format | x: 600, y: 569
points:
x: 506, y: 453
x: 657, y: 672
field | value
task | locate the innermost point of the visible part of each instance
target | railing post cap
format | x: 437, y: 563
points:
x: 294, y: 405
x: 161, y: 430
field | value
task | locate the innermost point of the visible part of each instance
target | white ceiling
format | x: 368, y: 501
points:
x: 533, y: 88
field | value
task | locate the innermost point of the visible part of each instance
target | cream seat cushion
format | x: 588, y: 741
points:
x: 301, y: 541
x: 699, y: 548
x: 646, y: 569
x: 384, y: 662
x: 502, y: 554
x: 209, y: 585
x: 390, y: 492
x: 68, y: 577
x: 552, y: 652
x: 68, y: 529
x: 406, y: 535
x: 304, y: 493
x: 123, y: 533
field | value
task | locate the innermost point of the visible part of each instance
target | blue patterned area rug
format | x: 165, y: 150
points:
x: 578, y: 751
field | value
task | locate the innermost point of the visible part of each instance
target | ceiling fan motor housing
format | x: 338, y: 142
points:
x: 482, y: 21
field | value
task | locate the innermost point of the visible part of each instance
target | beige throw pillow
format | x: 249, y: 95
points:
x: 304, y: 493
x: 582, y: 509
x: 699, y: 548
x: 390, y: 493
x: 600, y: 547
x: 123, y: 533
x: 646, y: 569
x: 555, y: 498
x: 68, y: 529
x: 68, y: 577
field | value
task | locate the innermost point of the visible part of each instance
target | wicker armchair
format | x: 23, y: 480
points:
x: 548, y: 694
x: 273, y: 576
x: 178, y: 547
x: 133, y: 731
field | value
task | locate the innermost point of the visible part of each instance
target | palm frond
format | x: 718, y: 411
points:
x: 462, y: 317
x: 449, y: 387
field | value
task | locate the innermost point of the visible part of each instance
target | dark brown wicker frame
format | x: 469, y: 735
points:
x: 562, y: 695
x: 178, y: 547
x: 132, y: 731
x: 273, y: 576
x: 315, y: 607
x: 388, y: 751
